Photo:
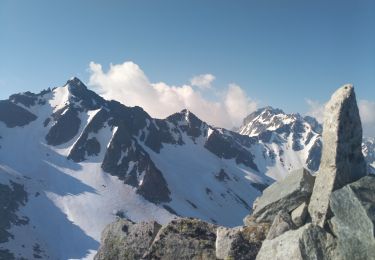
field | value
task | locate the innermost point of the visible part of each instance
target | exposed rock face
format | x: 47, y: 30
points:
x: 240, y: 242
x: 282, y: 223
x: 184, y: 239
x: 307, y: 242
x: 342, y: 159
x: 353, y: 207
x: 364, y: 190
x: 66, y: 126
x: 11, y: 198
x: 287, y: 194
x: 124, y: 239
x: 349, y: 205
x: 13, y: 115
x: 225, y: 237
x: 299, y: 215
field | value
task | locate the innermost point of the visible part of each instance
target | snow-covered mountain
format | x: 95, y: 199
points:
x: 71, y: 161
x: 368, y: 150
x: 289, y: 141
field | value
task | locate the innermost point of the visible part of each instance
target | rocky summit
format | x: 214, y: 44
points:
x: 330, y: 216
x: 342, y: 160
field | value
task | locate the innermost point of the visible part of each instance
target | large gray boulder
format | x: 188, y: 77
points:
x: 124, y: 239
x: 342, y: 159
x: 240, y: 242
x: 299, y: 215
x: 281, y: 224
x: 353, y: 208
x: 225, y: 237
x: 306, y: 243
x: 364, y: 190
x: 286, y: 194
x: 184, y: 238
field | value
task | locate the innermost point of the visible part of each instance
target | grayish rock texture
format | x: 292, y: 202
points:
x: 305, y: 243
x: 224, y: 240
x: 342, y: 159
x: 184, y: 239
x: 287, y: 194
x: 352, y: 224
x: 281, y: 224
x: 124, y: 239
x: 364, y: 190
x: 299, y: 215
x: 240, y: 242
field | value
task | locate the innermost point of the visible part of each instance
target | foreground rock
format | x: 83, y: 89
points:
x: 184, y: 239
x: 282, y: 223
x: 299, y: 215
x: 287, y: 194
x: 124, y: 239
x: 240, y: 242
x: 305, y: 243
x: 353, y: 207
x: 342, y: 159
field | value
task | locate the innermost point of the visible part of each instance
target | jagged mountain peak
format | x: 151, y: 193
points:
x: 75, y: 83
x: 274, y: 119
x: 76, y: 92
x: 267, y: 111
x: 185, y: 117
x: 291, y: 140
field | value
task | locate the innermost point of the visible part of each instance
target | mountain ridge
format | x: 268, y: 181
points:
x: 76, y: 155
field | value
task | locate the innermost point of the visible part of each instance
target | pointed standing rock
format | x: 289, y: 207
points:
x: 342, y: 159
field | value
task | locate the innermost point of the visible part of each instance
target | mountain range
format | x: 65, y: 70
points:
x: 71, y: 162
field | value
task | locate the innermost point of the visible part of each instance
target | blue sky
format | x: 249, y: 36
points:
x: 279, y: 52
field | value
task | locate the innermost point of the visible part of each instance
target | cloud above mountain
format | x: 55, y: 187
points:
x: 202, y: 81
x: 128, y: 84
x: 366, y: 111
x: 316, y: 109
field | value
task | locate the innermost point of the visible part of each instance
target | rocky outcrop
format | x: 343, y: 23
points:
x: 12, y: 197
x: 225, y: 239
x: 342, y: 159
x: 299, y: 214
x: 287, y: 194
x: 240, y: 242
x: 125, y: 239
x: 339, y: 199
x: 281, y: 224
x: 353, y: 207
x: 307, y: 242
x: 184, y: 239
x: 13, y: 115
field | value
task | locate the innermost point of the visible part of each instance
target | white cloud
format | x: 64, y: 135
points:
x: 316, y: 109
x: 202, y: 81
x: 237, y: 104
x: 128, y: 84
x: 366, y: 111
